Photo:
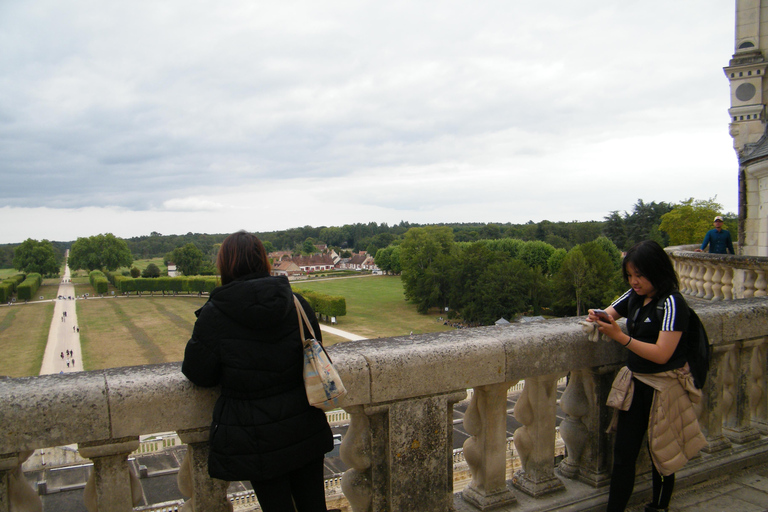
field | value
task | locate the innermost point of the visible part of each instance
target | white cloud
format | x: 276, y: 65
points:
x: 184, y: 115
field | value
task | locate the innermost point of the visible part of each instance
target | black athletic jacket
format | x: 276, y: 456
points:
x: 246, y: 339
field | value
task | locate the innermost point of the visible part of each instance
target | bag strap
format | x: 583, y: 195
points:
x: 302, y: 316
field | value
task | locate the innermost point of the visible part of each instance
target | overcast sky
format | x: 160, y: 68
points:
x: 179, y: 116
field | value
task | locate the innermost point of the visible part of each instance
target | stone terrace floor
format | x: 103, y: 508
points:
x: 745, y: 491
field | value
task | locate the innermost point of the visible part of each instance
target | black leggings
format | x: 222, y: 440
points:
x: 629, y: 438
x: 303, y: 486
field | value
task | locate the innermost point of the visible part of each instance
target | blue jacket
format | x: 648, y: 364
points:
x: 719, y: 242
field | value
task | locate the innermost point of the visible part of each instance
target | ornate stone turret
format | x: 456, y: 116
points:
x: 746, y: 73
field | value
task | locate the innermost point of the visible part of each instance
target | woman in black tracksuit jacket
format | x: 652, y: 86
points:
x: 246, y: 339
x: 654, y: 346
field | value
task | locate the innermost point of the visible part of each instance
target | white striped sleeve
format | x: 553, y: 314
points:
x: 670, y: 314
x: 623, y: 297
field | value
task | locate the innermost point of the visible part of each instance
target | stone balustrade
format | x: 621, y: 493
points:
x: 719, y: 276
x: 401, y: 394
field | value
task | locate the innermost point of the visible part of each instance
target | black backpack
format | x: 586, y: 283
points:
x: 697, y: 348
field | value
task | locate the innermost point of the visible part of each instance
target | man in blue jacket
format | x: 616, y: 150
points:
x: 718, y: 239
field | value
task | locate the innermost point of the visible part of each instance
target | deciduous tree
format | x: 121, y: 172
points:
x: 100, y: 252
x: 32, y: 256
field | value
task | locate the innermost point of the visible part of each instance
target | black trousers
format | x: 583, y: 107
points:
x: 629, y: 438
x: 303, y: 487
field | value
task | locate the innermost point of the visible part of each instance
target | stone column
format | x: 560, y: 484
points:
x: 112, y: 486
x: 698, y: 280
x: 760, y: 284
x: 485, y: 452
x: 535, y: 440
x: 756, y: 387
x: 15, y: 493
x: 206, y: 494
x: 583, y: 429
x: 707, y: 284
x: 412, y: 454
x: 355, y: 451
x: 717, y: 283
x: 727, y: 289
x: 738, y: 422
x: 713, y: 403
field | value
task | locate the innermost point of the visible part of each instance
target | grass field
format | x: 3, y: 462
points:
x: 135, y: 330
x: 23, y: 335
x: 146, y: 330
x: 376, y: 307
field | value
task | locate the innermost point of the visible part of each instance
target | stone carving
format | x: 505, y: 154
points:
x: 21, y: 496
x: 355, y: 451
x: 535, y: 440
x: 485, y: 450
x: 576, y: 403
x: 757, y: 394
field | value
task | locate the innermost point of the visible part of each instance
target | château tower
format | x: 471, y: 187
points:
x: 749, y: 91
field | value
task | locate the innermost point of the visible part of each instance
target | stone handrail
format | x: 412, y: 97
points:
x: 401, y: 395
x: 719, y: 276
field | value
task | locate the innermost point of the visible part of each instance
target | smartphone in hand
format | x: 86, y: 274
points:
x: 602, y: 315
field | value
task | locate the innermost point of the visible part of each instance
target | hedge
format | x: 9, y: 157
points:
x: 6, y: 290
x: 99, y: 281
x: 165, y: 284
x: 328, y: 305
x: 15, y: 280
x: 26, y: 290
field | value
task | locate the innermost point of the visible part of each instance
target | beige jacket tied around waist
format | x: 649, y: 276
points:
x: 674, y: 436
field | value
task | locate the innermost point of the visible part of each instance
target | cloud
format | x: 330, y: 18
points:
x: 365, y: 110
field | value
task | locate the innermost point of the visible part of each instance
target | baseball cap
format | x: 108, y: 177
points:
x: 718, y: 218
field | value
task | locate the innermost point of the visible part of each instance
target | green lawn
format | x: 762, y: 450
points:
x: 376, y: 307
x: 135, y: 330
x: 23, y: 335
x: 154, y: 329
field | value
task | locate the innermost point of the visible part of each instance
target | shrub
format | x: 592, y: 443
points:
x: 26, y: 290
x: 6, y: 290
x: 328, y: 305
x: 99, y: 281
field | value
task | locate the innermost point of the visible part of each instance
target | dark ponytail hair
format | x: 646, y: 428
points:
x: 242, y: 254
x: 654, y: 264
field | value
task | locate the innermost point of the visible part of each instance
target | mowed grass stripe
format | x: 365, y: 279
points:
x: 136, y: 330
x: 184, y: 324
x: 23, y: 336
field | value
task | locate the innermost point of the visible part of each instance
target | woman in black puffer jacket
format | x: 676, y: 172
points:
x: 247, y: 340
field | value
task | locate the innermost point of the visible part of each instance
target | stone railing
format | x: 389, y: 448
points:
x: 719, y: 276
x: 401, y: 395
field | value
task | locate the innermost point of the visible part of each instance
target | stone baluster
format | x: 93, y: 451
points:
x: 758, y: 397
x: 727, y: 280
x: 714, y: 402
x: 112, y: 486
x: 717, y: 282
x: 535, y: 440
x: 485, y: 451
x: 685, y: 277
x: 735, y: 384
x: 412, y: 454
x: 760, y: 284
x: 707, y: 282
x: 582, y: 430
x: 205, y: 494
x: 15, y: 493
x: 355, y: 451
x: 699, y: 280
x: 749, y: 284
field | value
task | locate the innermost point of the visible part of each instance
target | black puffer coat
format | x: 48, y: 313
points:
x: 246, y: 339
